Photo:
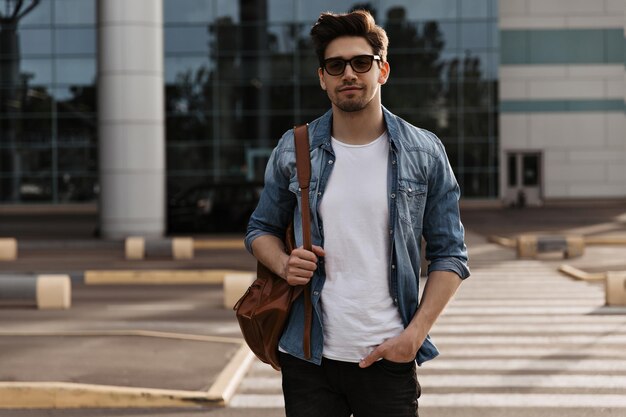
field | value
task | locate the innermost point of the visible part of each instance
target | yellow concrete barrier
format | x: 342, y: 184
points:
x: 157, y: 277
x: 211, y: 244
x: 8, y: 249
x: 529, y: 246
x: 182, y: 248
x: 54, y: 292
x: 235, y: 285
x: 605, y: 240
x: 46, y: 291
x: 138, y: 248
x: 503, y: 241
x: 616, y: 288
x: 135, y: 248
x: 580, y: 274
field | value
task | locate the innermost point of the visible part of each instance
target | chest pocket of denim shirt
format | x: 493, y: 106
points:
x: 411, y: 201
x: 294, y: 187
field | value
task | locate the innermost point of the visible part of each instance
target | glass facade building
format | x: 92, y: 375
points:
x: 48, y: 148
x: 238, y: 73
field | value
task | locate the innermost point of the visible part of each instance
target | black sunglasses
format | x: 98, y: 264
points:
x: 359, y: 64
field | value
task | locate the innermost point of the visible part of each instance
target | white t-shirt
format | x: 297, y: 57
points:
x: 358, y: 310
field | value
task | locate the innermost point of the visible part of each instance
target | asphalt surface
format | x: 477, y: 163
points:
x: 62, y: 242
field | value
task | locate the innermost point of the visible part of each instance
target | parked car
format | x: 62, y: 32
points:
x: 213, y: 208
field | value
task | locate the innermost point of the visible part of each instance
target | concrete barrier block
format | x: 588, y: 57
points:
x: 138, y: 248
x: 8, y: 249
x: 575, y: 246
x: 54, y: 292
x: 235, y: 285
x: 182, y: 248
x: 135, y: 248
x: 527, y: 247
x: 616, y: 288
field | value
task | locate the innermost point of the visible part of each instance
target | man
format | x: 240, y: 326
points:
x: 377, y: 185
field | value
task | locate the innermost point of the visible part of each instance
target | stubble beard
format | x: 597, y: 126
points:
x: 351, y: 105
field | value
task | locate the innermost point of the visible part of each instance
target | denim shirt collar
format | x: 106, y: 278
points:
x: 323, y: 129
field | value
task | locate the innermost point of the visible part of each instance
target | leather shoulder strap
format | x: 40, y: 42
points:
x: 303, y: 167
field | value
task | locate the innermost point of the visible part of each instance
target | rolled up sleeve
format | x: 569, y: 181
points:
x: 443, y: 230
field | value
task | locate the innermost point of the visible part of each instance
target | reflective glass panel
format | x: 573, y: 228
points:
x: 475, y: 34
x: 474, y: 9
x: 76, y: 71
x: 188, y: 11
x: 477, y: 153
x: 75, y: 41
x: 228, y: 8
x: 33, y: 160
x: 283, y: 38
x: 76, y: 187
x: 281, y: 11
x: 187, y: 158
x: 76, y: 99
x: 422, y: 9
x: 450, y: 34
x: 34, y: 42
x: 76, y: 159
x: 181, y: 68
x: 35, y: 188
x: 39, y: 15
x: 77, y: 131
x: 238, y: 86
x: 185, y: 128
x: 192, y: 39
x: 479, y: 184
x: 37, y: 101
x: 37, y: 71
x: 75, y: 11
x: 309, y: 11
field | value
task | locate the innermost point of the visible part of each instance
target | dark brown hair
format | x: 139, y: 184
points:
x: 330, y: 26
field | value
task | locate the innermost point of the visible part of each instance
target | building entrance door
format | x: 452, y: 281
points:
x: 524, y: 179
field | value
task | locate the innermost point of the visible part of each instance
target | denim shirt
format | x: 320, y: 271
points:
x: 423, y: 201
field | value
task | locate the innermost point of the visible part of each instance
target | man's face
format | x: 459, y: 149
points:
x: 352, y: 91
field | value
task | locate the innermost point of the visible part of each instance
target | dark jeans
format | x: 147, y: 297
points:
x: 339, y: 389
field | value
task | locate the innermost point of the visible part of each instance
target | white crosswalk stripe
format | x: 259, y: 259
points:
x: 518, y: 334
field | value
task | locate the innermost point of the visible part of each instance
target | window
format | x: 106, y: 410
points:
x: 530, y: 174
x: 512, y: 170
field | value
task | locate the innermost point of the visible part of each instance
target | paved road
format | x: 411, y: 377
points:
x: 519, y: 339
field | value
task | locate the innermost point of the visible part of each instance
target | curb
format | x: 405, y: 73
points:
x: 205, y: 244
x: 231, y: 376
x: 71, y: 395
x: 117, y: 333
x: 580, y: 274
x: 503, y: 241
x: 605, y: 240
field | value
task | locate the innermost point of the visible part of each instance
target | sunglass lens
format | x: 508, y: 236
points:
x: 335, y: 66
x: 361, y: 63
